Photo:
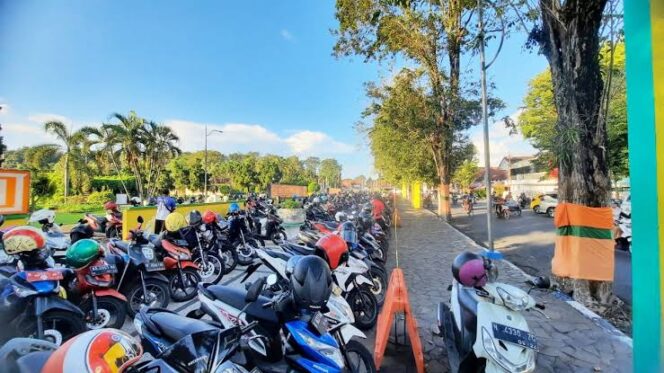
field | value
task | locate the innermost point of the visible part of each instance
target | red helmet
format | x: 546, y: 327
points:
x: 209, y: 217
x: 333, y: 249
x: 110, y: 205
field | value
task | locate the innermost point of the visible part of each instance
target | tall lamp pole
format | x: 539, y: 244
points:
x: 206, y: 159
x: 485, y: 120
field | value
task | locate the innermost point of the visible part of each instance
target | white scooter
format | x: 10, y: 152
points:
x: 484, y: 329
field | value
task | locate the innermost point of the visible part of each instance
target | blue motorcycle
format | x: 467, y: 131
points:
x: 33, y: 304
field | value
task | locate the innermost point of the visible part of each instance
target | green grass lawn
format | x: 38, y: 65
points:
x: 68, y: 218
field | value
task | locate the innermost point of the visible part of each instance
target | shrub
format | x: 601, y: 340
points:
x: 290, y: 204
x: 99, y: 198
x: 82, y: 207
x: 114, y: 183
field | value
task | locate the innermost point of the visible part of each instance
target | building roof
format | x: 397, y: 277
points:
x: 516, y: 160
x: 496, y: 174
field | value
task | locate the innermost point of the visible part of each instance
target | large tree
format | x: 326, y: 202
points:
x: 70, y: 140
x: 569, y: 38
x: 538, y: 121
x: 430, y: 33
x: 330, y: 173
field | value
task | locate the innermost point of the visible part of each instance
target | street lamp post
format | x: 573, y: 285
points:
x: 206, y: 159
x: 485, y: 120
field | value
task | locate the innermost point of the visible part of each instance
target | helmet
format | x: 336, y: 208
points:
x: 194, y: 217
x: 170, y: 203
x: 233, y: 208
x: 469, y: 270
x: 340, y: 216
x: 209, y: 217
x: 101, y: 350
x: 311, y: 282
x: 135, y: 201
x: 23, y: 239
x: 174, y: 222
x: 42, y: 216
x: 110, y: 205
x: 333, y: 249
x: 349, y: 233
x: 82, y: 253
x: 316, y: 200
x: 367, y: 207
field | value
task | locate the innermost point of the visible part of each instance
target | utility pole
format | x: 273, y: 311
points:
x: 485, y: 123
x: 205, y: 162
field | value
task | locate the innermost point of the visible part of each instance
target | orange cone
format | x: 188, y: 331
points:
x: 396, y: 301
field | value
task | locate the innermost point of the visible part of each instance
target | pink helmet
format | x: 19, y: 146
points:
x: 469, y: 270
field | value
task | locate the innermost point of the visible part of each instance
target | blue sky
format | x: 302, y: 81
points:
x: 261, y: 71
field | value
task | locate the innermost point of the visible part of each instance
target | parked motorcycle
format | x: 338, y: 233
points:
x: 139, y: 267
x: 87, y: 226
x: 483, y: 328
x: 92, y: 286
x: 56, y: 240
x: 181, y: 270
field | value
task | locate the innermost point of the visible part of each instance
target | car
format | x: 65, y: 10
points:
x: 548, y: 205
x: 535, y: 202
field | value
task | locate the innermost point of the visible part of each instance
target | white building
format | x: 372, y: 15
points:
x: 523, y: 176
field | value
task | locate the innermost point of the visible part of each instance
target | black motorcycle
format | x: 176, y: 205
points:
x: 138, y: 267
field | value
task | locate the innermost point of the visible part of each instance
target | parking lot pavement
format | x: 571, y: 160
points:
x: 569, y: 340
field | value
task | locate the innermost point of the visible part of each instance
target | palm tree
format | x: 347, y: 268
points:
x: 128, y: 134
x: 69, y: 139
x: 160, y: 145
x: 107, y: 138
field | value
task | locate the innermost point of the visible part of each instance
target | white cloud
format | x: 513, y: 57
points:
x: 46, y: 117
x: 287, y: 35
x: 501, y: 143
x: 239, y: 137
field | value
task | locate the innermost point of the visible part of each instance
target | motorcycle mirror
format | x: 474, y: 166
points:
x: 255, y: 290
x: 272, y: 279
x: 140, y: 219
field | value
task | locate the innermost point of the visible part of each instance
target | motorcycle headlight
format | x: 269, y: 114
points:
x: 184, y: 256
x: 490, y: 348
x: 515, y: 302
x: 330, y: 352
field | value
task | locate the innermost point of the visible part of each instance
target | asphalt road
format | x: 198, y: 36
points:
x: 528, y: 241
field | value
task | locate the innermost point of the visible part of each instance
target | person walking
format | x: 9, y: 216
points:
x: 165, y: 205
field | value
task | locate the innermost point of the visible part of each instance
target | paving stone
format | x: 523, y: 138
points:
x: 569, y: 342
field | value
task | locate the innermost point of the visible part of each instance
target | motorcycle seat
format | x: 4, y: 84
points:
x: 299, y: 249
x: 468, y: 304
x: 236, y: 298
x: 33, y: 362
x: 175, y: 327
x: 331, y: 225
x: 278, y: 254
x: 124, y: 246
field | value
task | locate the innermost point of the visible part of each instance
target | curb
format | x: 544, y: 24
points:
x: 583, y: 310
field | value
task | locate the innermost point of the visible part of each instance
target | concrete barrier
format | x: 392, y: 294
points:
x: 148, y: 213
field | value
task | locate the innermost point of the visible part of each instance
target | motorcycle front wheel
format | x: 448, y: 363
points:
x: 212, y: 269
x: 359, y: 358
x: 364, y: 306
x: 183, y: 286
x: 111, y: 313
x: 58, y: 326
x: 229, y: 256
x: 245, y: 251
x: 158, y: 296
x: 379, y: 288
x: 279, y: 237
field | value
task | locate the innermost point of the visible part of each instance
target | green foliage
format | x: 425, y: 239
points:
x: 465, y: 175
x: 99, y: 198
x: 114, y: 183
x: 538, y: 121
x: 313, y: 187
x: 330, y: 173
x: 290, y: 204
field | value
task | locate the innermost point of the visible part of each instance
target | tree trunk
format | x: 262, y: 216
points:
x: 66, y: 175
x: 570, y: 42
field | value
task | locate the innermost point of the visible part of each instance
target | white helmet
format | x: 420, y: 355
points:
x: 43, y: 214
x: 340, y: 216
x: 316, y: 200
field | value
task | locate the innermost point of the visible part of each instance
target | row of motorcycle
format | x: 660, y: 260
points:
x: 266, y: 326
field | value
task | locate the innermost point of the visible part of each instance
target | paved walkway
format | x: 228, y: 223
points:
x: 569, y: 341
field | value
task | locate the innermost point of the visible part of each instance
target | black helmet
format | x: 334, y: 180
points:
x: 367, y: 207
x: 195, y: 217
x: 311, y: 282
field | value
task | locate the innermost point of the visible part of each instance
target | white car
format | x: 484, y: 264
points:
x: 548, y: 205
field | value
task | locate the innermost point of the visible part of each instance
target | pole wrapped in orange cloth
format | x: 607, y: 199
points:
x: 584, y: 242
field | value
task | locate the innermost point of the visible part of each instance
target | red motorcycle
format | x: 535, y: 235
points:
x: 182, y: 272
x: 92, y: 289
